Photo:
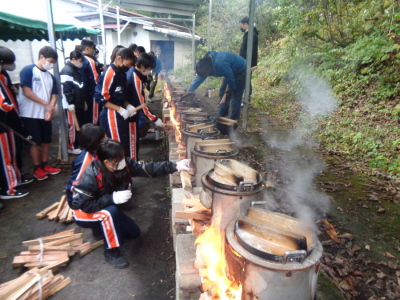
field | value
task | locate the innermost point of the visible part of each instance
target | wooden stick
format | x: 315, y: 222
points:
x: 77, y: 127
x: 44, y: 212
x: 186, y: 180
x: 137, y: 108
x: 60, y: 206
x: 91, y: 248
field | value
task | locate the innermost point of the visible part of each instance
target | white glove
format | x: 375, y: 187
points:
x: 183, y: 165
x: 122, y: 196
x: 130, y: 107
x: 71, y: 107
x: 124, y: 113
x: 159, y: 123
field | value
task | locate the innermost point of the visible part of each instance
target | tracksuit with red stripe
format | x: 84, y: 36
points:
x: 9, y: 171
x: 136, y: 85
x: 72, y: 84
x: 13, y: 117
x: 93, y: 205
x: 90, y: 78
x: 113, y: 87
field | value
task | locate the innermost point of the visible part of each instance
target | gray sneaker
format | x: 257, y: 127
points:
x: 114, y: 257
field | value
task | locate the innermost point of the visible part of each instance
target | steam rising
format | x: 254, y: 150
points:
x: 298, y: 164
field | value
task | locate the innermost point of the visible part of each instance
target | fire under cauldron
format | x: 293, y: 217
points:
x: 230, y: 188
x: 273, y: 256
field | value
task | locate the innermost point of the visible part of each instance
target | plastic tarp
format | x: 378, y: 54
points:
x: 27, y: 20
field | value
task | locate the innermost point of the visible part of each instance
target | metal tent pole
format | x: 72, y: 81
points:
x: 118, y: 27
x: 103, y: 32
x: 52, y: 40
x: 193, y: 44
x: 249, y: 55
x: 209, y: 35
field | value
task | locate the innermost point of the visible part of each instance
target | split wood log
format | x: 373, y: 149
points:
x: 52, y: 215
x: 137, y: 108
x: 283, y: 222
x: 207, y: 142
x: 7, y: 291
x: 195, y: 213
x: 186, y: 180
x: 212, y: 148
x: 264, y: 240
x: 227, y: 173
x: 60, y: 206
x: 227, y: 120
x: 23, y: 259
x: 202, y: 126
x: 52, y: 238
x: 91, y: 248
x: 44, y: 212
x: 297, y: 240
x: 248, y: 173
x: 69, y: 217
x: 77, y: 127
x: 62, y: 216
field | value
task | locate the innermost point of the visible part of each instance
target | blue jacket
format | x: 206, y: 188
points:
x: 158, y: 67
x: 225, y: 64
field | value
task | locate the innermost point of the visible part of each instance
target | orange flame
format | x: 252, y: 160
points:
x: 212, y: 254
x: 167, y: 92
x: 178, y: 133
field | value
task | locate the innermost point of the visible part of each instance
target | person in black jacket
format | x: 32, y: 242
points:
x: 106, y: 183
x: 71, y: 80
x: 244, y: 26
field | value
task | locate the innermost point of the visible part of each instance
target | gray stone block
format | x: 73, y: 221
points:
x: 186, y: 254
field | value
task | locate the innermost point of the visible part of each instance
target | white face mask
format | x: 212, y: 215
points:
x: 146, y: 73
x: 120, y: 165
x: 47, y: 65
x: 79, y: 65
x: 9, y: 67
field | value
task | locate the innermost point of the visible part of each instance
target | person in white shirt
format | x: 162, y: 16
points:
x: 37, y: 99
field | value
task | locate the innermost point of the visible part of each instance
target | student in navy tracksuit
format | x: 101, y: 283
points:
x: 71, y: 80
x: 137, y: 79
x: 230, y: 66
x: 8, y: 167
x: 106, y: 183
x: 90, y: 77
x: 13, y: 120
x: 112, y: 93
x: 89, y: 140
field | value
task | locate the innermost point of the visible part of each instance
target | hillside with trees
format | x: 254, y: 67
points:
x: 353, y: 45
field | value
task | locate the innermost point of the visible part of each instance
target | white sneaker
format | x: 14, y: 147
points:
x: 75, y: 151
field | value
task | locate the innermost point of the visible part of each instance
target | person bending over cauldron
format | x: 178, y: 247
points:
x: 105, y: 183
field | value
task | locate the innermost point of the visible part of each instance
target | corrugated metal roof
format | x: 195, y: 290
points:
x: 176, y: 7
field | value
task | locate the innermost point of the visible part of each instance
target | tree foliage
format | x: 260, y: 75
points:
x: 353, y: 44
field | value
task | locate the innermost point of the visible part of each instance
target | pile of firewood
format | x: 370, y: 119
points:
x: 199, y: 217
x: 34, y: 284
x: 54, y: 250
x: 59, y: 211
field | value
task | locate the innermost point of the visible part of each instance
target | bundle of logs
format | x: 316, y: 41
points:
x: 59, y: 211
x: 53, y: 251
x: 34, y: 284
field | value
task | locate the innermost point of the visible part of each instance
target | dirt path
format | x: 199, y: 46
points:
x: 151, y: 274
x: 311, y: 184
